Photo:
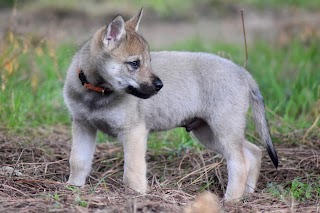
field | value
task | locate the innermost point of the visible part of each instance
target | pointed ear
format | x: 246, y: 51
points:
x: 133, y: 23
x: 114, y: 32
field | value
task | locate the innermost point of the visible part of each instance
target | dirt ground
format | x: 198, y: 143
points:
x: 34, y: 170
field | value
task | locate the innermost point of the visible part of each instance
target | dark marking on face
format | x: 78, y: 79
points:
x: 145, y: 91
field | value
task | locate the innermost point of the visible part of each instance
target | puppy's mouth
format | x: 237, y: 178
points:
x: 143, y: 92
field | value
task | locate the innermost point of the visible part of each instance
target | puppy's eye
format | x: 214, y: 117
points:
x: 134, y: 64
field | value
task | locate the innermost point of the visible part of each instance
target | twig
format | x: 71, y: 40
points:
x: 204, y: 164
x: 245, y: 39
x: 39, y: 181
x: 307, y: 132
x: 17, y: 190
x: 208, y: 167
x: 16, y: 163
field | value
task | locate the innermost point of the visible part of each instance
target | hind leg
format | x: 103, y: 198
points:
x: 238, y: 169
x: 253, y: 156
x: 229, y: 143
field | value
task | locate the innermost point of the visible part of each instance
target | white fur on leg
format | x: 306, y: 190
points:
x: 253, y: 155
x: 83, y: 147
x: 135, y: 167
x: 237, y: 178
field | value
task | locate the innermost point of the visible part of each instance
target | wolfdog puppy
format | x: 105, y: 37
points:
x: 112, y: 85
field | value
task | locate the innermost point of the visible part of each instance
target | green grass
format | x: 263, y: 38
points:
x: 32, y: 81
x: 298, y: 189
x: 176, y: 140
x: 282, y: 4
x: 167, y: 8
x: 185, y: 8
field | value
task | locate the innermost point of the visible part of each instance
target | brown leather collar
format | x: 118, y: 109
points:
x: 89, y: 86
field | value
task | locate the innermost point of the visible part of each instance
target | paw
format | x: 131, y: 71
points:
x: 139, y: 184
x: 232, y: 199
x: 76, y: 180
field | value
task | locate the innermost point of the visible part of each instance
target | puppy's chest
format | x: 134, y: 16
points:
x: 110, y: 122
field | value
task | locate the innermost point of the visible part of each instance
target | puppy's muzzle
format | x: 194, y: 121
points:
x: 145, y: 90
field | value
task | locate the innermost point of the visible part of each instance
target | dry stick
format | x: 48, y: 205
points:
x: 209, y: 167
x: 204, y: 164
x: 15, y: 189
x: 306, y: 134
x: 15, y: 166
x: 39, y: 181
x: 245, y: 39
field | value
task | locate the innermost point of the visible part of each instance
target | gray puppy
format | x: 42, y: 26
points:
x: 113, y: 86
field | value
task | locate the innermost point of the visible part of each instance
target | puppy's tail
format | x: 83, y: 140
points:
x: 258, y: 109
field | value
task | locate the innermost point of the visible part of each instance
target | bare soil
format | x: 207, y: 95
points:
x: 39, y: 170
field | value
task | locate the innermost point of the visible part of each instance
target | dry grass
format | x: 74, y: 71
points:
x: 40, y: 164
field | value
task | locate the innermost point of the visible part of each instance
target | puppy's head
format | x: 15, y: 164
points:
x: 123, y: 58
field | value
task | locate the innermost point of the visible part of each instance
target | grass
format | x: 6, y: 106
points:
x: 283, y: 4
x: 32, y: 81
x: 298, y: 189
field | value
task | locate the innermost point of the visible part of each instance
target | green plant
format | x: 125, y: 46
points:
x: 298, y: 189
x: 78, y: 198
x: 56, y: 196
x: 80, y: 201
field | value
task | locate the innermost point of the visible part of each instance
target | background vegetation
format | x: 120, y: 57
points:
x: 33, y: 75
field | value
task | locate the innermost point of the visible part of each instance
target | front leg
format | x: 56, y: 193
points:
x: 82, y: 150
x: 135, y: 168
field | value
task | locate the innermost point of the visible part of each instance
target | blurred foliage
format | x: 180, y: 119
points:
x: 165, y: 8
x: 7, y: 3
x: 281, y: 4
x: 31, y: 82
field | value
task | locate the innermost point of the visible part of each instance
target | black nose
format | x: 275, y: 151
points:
x: 157, y: 83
